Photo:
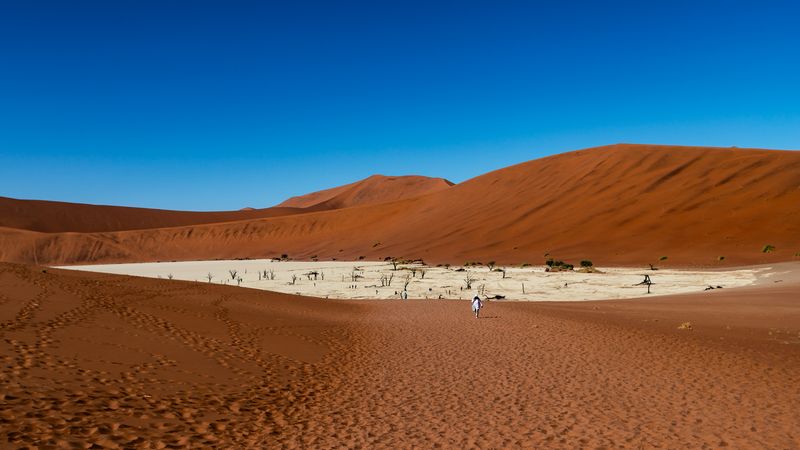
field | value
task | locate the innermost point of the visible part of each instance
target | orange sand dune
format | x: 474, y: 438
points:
x: 127, y: 362
x: 54, y: 217
x: 620, y: 205
x: 369, y: 191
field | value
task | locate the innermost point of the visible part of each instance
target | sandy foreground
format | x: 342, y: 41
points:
x: 381, y: 280
x: 117, y: 361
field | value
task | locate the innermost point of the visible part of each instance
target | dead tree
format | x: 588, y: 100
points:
x: 646, y: 282
x: 468, y: 280
x: 355, y: 275
x: 294, y: 278
x: 422, y: 273
x: 233, y: 274
x: 209, y: 276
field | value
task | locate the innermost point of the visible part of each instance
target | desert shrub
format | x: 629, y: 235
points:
x: 490, y: 264
x: 720, y: 258
x: 769, y: 248
x: 685, y: 326
x: 549, y: 262
x: 586, y: 263
x: 376, y: 244
x: 663, y: 258
x: 525, y: 265
x: 361, y: 258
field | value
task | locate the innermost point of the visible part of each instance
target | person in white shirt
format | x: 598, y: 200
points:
x: 477, y: 304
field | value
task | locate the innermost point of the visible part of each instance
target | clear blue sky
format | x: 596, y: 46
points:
x: 206, y: 105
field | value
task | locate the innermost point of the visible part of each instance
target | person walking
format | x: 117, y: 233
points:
x: 477, y: 304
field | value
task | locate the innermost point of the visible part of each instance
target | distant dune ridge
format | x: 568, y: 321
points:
x: 54, y: 217
x: 369, y: 191
x: 621, y: 204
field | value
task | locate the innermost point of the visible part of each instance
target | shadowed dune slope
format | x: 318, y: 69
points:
x: 53, y: 217
x: 619, y: 204
x: 127, y: 362
x: 369, y: 191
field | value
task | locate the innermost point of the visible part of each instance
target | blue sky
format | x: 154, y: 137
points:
x: 203, y: 105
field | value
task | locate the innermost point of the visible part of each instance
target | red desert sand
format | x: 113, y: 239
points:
x: 119, y: 361
x: 619, y: 205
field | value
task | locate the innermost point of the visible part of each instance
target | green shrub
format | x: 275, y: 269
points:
x: 769, y: 248
x: 550, y: 262
x: 586, y: 263
x: 663, y: 258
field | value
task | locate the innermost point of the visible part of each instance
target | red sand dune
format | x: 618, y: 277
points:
x: 369, y: 191
x: 54, y: 217
x: 620, y: 204
x: 128, y: 362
